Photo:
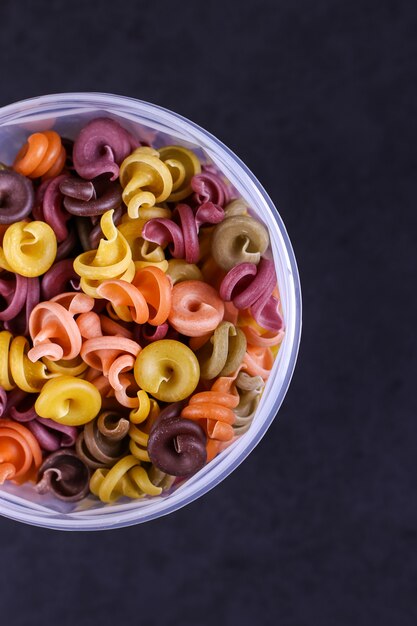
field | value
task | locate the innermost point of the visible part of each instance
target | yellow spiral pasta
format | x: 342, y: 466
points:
x: 16, y: 370
x: 112, y: 259
x: 126, y: 478
x: 145, y: 179
x: 69, y: 400
x: 183, y: 164
x: 29, y: 248
x: 148, y: 410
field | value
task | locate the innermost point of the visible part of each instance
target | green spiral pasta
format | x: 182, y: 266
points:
x: 223, y: 353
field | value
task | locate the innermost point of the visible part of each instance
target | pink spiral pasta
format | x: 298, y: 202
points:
x: 254, y: 293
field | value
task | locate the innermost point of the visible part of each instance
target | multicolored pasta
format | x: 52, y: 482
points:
x: 140, y: 315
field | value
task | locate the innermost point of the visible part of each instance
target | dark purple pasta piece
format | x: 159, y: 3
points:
x: 16, y: 197
x: 177, y: 446
x: 100, y: 148
x: 60, y: 278
x: 21, y: 406
x: 64, y: 475
x: 67, y: 246
x: 13, y: 290
x: 90, y: 198
x: 19, y: 324
x: 53, y: 209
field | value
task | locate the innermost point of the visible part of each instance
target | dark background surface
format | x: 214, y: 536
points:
x: 319, y: 525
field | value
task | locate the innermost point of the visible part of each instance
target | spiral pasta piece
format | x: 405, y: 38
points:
x: 147, y: 299
x: 239, y: 239
x: 103, y: 441
x: 138, y: 443
x: 125, y: 478
x: 68, y: 400
x: 16, y: 197
x: 168, y: 370
x: 112, y: 259
x: 223, y: 353
x: 210, y: 187
x: 29, y: 248
x: 250, y: 390
x: 64, y: 475
x: 42, y: 155
x: 259, y: 361
x: 14, y: 292
x: 90, y: 198
x: 49, y: 207
x: 183, y: 164
x: 255, y: 293
x: 53, y: 330
x: 214, y: 410
x: 111, y: 354
x: 100, y: 148
x: 196, y: 308
x: 177, y: 446
x: 20, y: 454
x: 145, y: 179
x: 16, y: 369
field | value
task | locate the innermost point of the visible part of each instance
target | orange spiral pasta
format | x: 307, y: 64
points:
x: 53, y: 330
x: 42, y: 155
x: 20, y: 454
x: 101, y: 352
x: 196, y: 308
x: 147, y: 299
x: 258, y: 361
x: 214, y: 409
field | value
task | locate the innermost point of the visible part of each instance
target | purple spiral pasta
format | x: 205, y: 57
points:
x: 250, y: 286
x: 186, y: 218
x: 181, y: 238
x: 209, y: 186
x: 90, y: 198
x: 16, y: 197
x: 49, y: 206
x: 13, y: 290
x: 164, y: 231
x: 18, y: 323
x: 60, y: 278
x: 100, y: 148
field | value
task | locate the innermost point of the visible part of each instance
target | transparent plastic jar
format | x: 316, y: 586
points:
x: 66, y: 113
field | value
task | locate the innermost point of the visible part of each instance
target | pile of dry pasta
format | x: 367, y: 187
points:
x: 139, y: 311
